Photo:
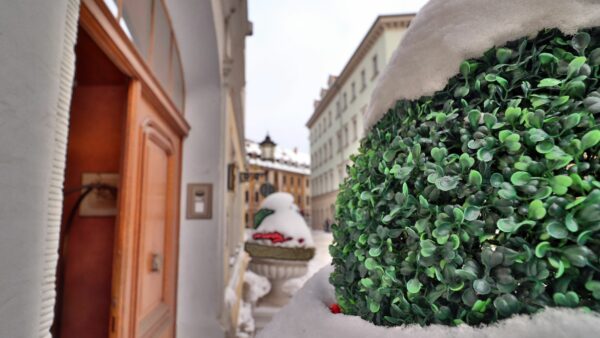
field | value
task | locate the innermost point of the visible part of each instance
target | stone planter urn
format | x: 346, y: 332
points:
x: 280, y: 247
x: 278, y: 264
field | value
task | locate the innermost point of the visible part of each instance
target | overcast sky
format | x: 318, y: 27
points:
x: 296, y: 45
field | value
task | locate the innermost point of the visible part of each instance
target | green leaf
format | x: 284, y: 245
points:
x: 503, y: 55
x: 575, y: 66
x: 545, y: 83
x: 536, y: 210
x: 485, y: 155
x: 374, y: 306
x: 560, y: 184
x: 367, y: 283
x: 496, y: 180
x: 475, y: 178
x: 465, y: 69
x: 481, y: 287
x: 557, y: 230
x: 447, y: 183
x: 370, y: 263
x: 260, y: 215
x: 472, y: 213
x: 546, y: 58
x: 571, y: 223
x: 507, y: 225
x: 428, y: 248
x: 413, y: 286
x: 520, y: 178
x: 466, y: 161
x: 590, y: 139
x: 474, y: 116
x: 507, y: 305
x: 580, y: 42
x: 541, y: 249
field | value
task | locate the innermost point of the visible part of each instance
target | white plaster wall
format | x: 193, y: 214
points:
x: 31, y: 45
x: 200, y: 288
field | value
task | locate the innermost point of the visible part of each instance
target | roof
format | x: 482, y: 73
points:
x: 285, y: 159
x: 381, y: 23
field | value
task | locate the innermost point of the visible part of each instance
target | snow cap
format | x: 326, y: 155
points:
x: 286, y: 220
x: 447, y: 32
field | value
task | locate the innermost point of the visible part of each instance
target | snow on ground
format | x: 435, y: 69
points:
x: 322, y: 258
x: 445, y: 33
x: 308, y: 315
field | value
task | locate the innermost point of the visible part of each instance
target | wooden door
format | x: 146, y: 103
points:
x: 144, y: 292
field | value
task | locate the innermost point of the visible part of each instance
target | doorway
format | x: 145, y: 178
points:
x: 90, y: 208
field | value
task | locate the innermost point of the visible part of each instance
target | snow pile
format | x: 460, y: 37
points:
x: 245, y: 324
x: 256, y: 286
x: 322, y: 258
x: 445, y: 33
x: 308, y: 315
x: 285, y: 220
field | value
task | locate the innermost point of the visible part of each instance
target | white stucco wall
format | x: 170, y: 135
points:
x: 200, y: 280
x: 31, y: 50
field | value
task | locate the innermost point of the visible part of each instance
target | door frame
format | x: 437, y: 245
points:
x: 103, y: 28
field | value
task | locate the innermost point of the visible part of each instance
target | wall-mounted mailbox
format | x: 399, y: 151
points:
x: 199, y: 201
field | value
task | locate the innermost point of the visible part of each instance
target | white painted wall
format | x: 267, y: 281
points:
x: 200, y: 252
x: 205, y: 245
x: 31, y: 49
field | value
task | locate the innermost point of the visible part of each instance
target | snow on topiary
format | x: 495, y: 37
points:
x: 481, y: 201
x: 279, y: 223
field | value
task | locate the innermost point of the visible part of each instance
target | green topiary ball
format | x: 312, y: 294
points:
x: 483, y: 200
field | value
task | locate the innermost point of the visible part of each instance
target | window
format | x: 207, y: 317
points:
x: 354, y: 128
x: 353, y: 89
x: 307, y: 183
x: 375, y: 66
x: 256, y: 196
x: 292, y: 180
x: 338, y: 108
x: 331, y: 179
x: 285, y: 178
x: 246, y: 218
x: 307, y: 200
x: 346, y: 138
x: 329, y: 118
x: 330, y: 148
x: 339, y: 140
x: 345, y: 101
x: 324, y: 123
x: 247, y: 195
x: 363, y: 80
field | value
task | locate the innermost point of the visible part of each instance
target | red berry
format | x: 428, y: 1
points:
x: 334, y: 308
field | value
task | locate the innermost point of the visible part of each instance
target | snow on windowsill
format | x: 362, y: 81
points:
x: 308, y: 315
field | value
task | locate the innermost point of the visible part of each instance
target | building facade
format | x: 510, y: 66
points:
x: 285, y: 170
x: 337, y: 122
x: 114, y: 222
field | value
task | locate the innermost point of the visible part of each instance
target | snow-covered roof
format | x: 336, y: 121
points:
x: 445, y: 33
x: 285, y: 159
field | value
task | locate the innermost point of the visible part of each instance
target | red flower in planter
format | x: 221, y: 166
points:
x: 335, y: 308
x: 274, y: 237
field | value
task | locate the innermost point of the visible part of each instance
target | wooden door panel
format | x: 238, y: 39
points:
x: 153, y: 223
x: 147, y: 270
x: 156, y: 256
